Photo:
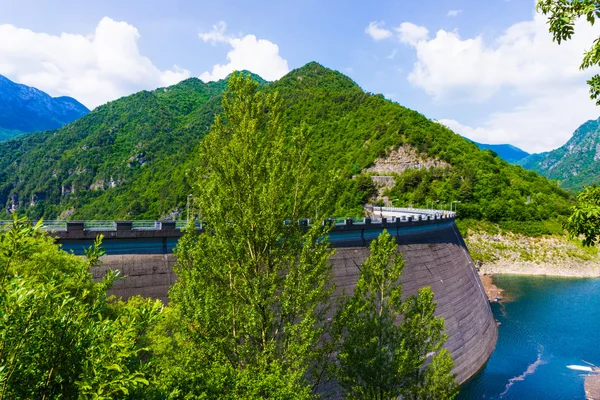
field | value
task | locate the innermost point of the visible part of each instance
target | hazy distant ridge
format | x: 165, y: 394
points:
x: 27, y: 109
x: 507, y: 152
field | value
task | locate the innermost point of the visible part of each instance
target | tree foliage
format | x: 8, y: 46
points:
x: 585, y: 216
x: 252, y: 290
x: 562, y: 15
x: 57, y: 336
x: 366, y: 186
x: 379, y: 358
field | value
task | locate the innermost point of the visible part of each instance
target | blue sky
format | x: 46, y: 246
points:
x: 488, y: 69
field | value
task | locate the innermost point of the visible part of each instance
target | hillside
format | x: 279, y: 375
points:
x: 507, y: 152
x: 125, y: 158
x: 574, y: 164
x: 351, y: 129
x: 129, y: 158
x: 27, y: 109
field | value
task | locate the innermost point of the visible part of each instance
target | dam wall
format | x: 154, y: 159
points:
x: 438, y: 259
x: 433, y: 249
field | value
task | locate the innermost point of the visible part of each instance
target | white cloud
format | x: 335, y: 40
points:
x: 377, y: 31
x: 247, y: 53
x: 216, y: 35
x: 93, y: 69
x: 454, y: 13
x: 539, y: 124
x: 412, y: 34
x: 523, y: 58
x: 523, y: 64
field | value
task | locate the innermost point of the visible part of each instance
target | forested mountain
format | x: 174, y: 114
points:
x: 126, y: 158
x: 129, y: 158
x: 507, y: 152
x: 27, y: 109
x: 576, y: 163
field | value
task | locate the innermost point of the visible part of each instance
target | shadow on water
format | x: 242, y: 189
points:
x: 548, y: 324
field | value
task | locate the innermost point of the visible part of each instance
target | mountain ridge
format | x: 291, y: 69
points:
x: 134, y: 157
x: 575, y: 164
x: 507, y: 152
x: 27, y: 109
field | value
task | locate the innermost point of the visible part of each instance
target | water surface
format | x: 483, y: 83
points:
x: 549, y: 324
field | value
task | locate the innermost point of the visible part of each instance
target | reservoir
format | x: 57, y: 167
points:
x: 545, y: 324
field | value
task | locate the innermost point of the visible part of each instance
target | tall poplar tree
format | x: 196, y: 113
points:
x: 252, y: 288
x: 380, y: 359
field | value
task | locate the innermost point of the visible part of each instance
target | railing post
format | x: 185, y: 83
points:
x: 167, y: 225
x: 75, y: 226
x: 328, y: 222
x: 123, y: 225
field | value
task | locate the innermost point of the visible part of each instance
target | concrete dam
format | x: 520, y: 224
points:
x: 434, y: 250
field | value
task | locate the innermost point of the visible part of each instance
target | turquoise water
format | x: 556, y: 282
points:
x: 549, y: 324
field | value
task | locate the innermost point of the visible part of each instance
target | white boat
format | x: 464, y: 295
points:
x: 582, y: 368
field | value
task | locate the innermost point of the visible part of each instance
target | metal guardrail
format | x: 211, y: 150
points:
x: 99, y: 225
x: 423, y: 211
x: 150, y: 225
x: 54, y: 225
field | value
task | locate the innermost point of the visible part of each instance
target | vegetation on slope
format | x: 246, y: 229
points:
x: 249, y: 315
x: 6, y: 134
x: 129, y: 158
x: 126, y: 158
x: 350, y: 129
x: 575, y: 163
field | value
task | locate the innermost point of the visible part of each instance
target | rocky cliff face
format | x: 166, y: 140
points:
x: 27, y: 109
x: 575, y: 164
x: 405, y: 157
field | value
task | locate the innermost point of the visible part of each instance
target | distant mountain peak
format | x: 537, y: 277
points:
x: 507, y: 152
x: 255, y: 77
x: 27, y: 109
x: 576, y: 163
x: 321, y: 78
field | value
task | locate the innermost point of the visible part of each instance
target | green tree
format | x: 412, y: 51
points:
x: 562, y: 15
x: 57, y: 339
x: 252, y: 290
x: 379, y: 358
x: 585, y: 216
x: 365, y: 185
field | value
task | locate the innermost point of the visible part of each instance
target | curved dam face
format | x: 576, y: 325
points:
x: 435, y: 256
x: 438, y: 258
